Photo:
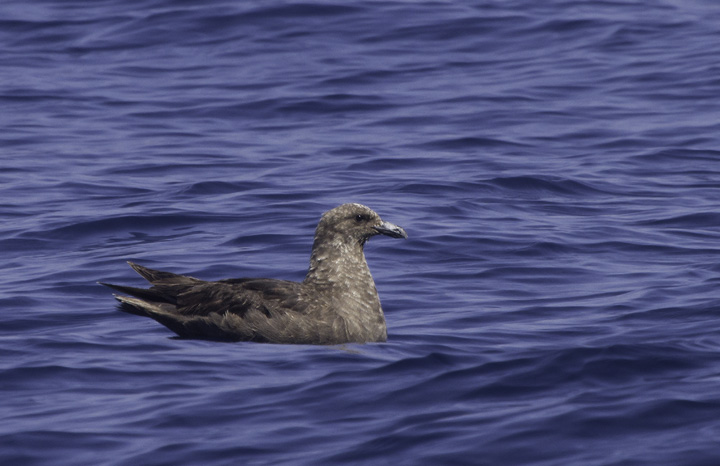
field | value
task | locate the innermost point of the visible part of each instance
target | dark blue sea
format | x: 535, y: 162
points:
x: 556, y: 165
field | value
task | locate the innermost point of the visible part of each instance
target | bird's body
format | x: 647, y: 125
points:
x: 337, y: 302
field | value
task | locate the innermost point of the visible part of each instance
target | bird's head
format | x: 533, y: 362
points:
x: 355, y: 223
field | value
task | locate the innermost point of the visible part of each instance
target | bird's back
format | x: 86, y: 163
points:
x: 257, y: 309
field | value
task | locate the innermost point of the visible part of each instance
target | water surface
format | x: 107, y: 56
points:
x: 555, y: 164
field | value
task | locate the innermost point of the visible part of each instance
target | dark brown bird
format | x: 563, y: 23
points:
x: 337, y: 302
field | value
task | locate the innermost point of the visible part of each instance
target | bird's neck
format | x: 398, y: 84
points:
x: 339, y: 273
x: 338, y: 263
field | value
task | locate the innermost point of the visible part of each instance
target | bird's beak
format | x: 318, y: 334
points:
x: 393, y: 231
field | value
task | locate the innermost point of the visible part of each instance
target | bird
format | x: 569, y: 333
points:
x: 336, y: 303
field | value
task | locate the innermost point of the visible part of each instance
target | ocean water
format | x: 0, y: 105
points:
x: 556, y: 166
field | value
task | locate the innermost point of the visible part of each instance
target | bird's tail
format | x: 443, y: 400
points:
x: 166, y: 285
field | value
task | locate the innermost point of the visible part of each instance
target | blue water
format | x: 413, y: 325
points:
x: 556, y: 165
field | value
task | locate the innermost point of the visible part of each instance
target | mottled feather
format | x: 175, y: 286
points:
x: 337, y: 302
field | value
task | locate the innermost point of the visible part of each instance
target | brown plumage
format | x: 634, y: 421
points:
x: 336, y: 302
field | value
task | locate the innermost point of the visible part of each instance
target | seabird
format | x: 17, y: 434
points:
x: 336, y: 303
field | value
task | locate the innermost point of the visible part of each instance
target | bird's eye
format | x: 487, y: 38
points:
x: 360, y: 218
